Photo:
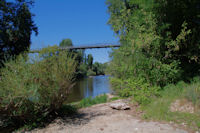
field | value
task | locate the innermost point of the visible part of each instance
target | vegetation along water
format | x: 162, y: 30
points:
x: 157, y: 64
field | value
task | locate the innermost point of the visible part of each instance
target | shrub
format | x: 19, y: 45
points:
x: 30, y: 91
x: 91, y: 73
x: 141, y: 91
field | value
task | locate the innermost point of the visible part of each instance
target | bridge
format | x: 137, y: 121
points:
x: 83, y: 47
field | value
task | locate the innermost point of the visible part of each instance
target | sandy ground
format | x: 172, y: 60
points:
x: 102, y: 119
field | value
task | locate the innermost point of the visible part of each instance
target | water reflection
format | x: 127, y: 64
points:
x: 90, y: 86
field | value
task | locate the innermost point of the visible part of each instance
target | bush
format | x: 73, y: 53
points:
x: 90, y: 73
x: 29, y: 91
x: 141, y: 91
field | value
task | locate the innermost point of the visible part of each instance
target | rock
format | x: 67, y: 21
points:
x: 183, y: 124
x: 101, y: 129
x: 136, y: 129
x: 119, y: 106
x: 182, y: 105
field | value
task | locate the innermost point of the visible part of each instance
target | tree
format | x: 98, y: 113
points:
x: 66, y: 43
x: 175, y: 17
x: 153, y: 37
x: 96, y: 67
x: 16, y: 27
x: 99, y: 68
x: 90, y: 61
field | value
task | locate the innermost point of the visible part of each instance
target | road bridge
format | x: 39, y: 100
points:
x: 83, y: 47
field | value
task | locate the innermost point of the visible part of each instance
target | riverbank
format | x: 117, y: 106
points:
x: 101, y: 118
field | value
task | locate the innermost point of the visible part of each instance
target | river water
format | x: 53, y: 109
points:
x: 90, y: 86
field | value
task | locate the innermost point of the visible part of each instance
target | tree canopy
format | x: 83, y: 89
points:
x: 90, y: 60
x: 163, y: 34
x: 66, y: 43
x: 160, y: 45
x: 16, y: 27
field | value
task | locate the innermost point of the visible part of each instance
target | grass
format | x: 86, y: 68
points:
x: 87, y: 102
x: 115, y: 98
x: 158, y: 109
x: 192, y: 92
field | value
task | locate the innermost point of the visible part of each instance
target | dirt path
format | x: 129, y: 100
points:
x: 102, y: 119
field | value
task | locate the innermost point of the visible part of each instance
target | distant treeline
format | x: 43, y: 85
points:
x: 86, y: 65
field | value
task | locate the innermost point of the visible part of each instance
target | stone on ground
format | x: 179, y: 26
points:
x: 119, y: 106
x: 182, y: 105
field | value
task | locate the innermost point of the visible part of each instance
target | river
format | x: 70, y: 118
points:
x: 90, y: 86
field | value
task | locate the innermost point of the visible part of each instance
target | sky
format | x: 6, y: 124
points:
x: 83, y: 21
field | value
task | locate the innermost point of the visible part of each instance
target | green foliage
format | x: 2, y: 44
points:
x: 66, y: 43
x: 83, y: 69
x: 85, y: 65
x: 159, y: 108
x: 114, y: 98
x: 137, y: 65
x: 156, y: 49
x: 99, y: 68
x: 92, y: 101
x: 89, y: 61
x: 88, y: 68
x: 90, y: 73
x: 138, y: 89
x: 16, y: 27
x: 184, y: 30
x: 192, y: 92
x: 32, y: 90
x: 67, y: 110
x: 45, y: 53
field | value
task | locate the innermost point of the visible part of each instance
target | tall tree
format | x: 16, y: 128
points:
x: 171, y: 15
x: 156, y: 33
x: 66, y: 43
x: 90, y: 61
x: 16, y: 27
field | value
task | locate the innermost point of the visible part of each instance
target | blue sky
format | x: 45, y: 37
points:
x: 83, y: 21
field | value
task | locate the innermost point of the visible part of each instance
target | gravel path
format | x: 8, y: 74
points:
x: 102, y: 119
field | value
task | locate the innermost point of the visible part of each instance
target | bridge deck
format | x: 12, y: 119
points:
x: 82, y: 47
